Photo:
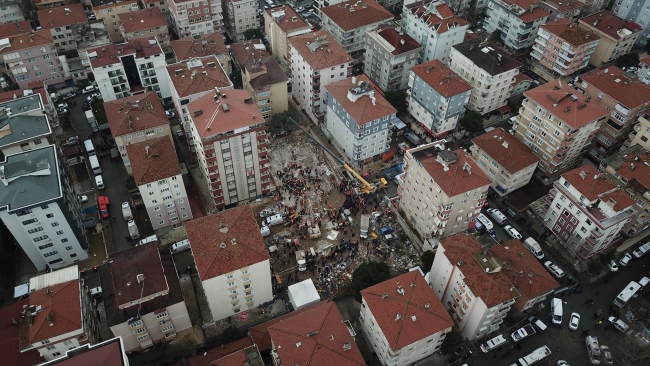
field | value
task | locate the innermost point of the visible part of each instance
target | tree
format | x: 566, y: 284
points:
x: 235, y: 77
x: 427, y: 260
x: 631, y: 351
x: 630, y: 59
x: 452, y: 342
x: 281, y: 122
x: 230, y: 334
x: 496, y: 35
x: 397, y: 98
x: 472, y: 121
x: 368, y: 274
x: 253, y: 33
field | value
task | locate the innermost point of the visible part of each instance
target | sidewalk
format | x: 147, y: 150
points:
x: 631, y: 241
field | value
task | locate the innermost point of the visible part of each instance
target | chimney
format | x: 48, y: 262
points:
x: 354, y: 80
x: 222, y: 227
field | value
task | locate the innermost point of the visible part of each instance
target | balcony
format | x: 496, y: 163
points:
x: 566, y: 56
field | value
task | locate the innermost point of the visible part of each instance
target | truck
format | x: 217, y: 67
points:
x: 393, y: 171
x: 534, y: 358
x: 102, y: 203
x: 301, y: 260
x: 523, y: 332
x: 363, y: 226
x: 134, y: 233
x: 533, y: 246
x: 126, y: 211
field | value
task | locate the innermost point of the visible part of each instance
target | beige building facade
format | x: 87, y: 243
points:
x: 617, y: 36
x: 110, y: 15
x: 266, y: 82
x: 281, y: 23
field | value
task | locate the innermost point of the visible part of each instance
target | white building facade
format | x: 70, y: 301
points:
x: 521, y: 21
x: 191, y: 18
x: 634, y: 11
x: 242, y: 16
x: 11, y: 12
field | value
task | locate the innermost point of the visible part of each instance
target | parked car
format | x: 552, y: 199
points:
x: 82, y: 199
x: 612, y: 266
x: 62, y: 105
x: 554, y: 269
x: 574, y: 321
x: 641, y: 250
x: 86, y: 106
x: 607, y: 355
x: 69, y: 96
x: 93, y: 96
x: 72, y: 140
x: 170, y: 114
x: 94, y: 127
x: 512, y: 232
x: 180, y: 134
x: 625, y: 259
x: 62, y: 111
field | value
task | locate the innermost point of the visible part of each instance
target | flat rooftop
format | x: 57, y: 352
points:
x: 22, y: 119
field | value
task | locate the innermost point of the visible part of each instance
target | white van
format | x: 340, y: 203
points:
x: 99, y: 181
x: 497, y: 216
x: 89, y: 89
x: 90, y: 148
x: 538, y: 323
x: 644, y: 281
x: 487, y: 224
x: 180, y: 246
x: 265, y: 231
x: 533, y: 246
x: 94, y: 164
x: 556, y: 310
x: 273, y: 220
x: 493, y: 343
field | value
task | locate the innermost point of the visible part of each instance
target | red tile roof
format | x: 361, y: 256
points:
x: 29, y: 40
x: 110, y: 54
x: 646, y: 60
x: 536, y: 13
x: 630, y: 92
x: 260, y: 333
x: 511, y: 153
x: 416, y: 320
x: 619, y: 199
x: 609, y: 24
x: 225, y: 241
x: 9, y: 336
x: 365, y: 13
x: 13, y: 29
x: 142, y: 20
x: 524, y: 270
x: 442, y: 20
x: 532, y: 9
x: 38, y: 87
x: 363, y: 110
x: 62, y: 305
x: 329, y: 56
x: 188, y: 47
x: 554, y: 96
x: 135, y: 113
x: 62, y: 16
x: 492, y: 288
x: 587, y: 180
x: 401, y: 43
x: 269, y: 71
x: 289, y: 20
x: 635, y: 171
x: 441, y: 78
x: 568, y: 31
x: 227, y: 349
x: 521, y: 77
x: 153, y: 160
x: 211, y: 119
x: 245, y: 52
x: 315, y: 337
x: 455, y: 180
x: 125, y: 267
x: 198, y: 79
x: 109, y: 354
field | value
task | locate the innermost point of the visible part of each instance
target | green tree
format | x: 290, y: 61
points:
x: 452, y: 341
x: 496, y: 35
x: 368, y: 274
x: 235, y: 77
x: 397, y: 98
x: 472, y: 121
x: 253, y: 33
x: 427, y: 260
x: 230, y: 334
x: 630, y: 59
x: 281, y: 122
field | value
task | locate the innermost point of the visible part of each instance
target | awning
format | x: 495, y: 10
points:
x: 397, y: 123
x: 504, y: 109
x: 21, y: 290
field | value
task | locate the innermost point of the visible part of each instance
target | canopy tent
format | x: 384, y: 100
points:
x: 397, y: 123
x: 303, y: 294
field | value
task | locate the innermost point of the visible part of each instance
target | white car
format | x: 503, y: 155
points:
x: 553, y: 268
x: 93, y: 96
x: 62, y: 111
x: 62, y: 105
x: 574, y: 321
x: 641, y: 250
x: 562, y: 363
x: 512, y: 232
x: 170, y: 114
x: 82, y: 199
x: 625, y: 259
x: 612, y: 266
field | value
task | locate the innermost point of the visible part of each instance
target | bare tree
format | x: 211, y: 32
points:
x: 629, y: 351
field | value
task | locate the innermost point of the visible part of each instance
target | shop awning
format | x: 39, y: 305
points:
x: 398, y: 123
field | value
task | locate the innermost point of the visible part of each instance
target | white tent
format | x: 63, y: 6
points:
x: 303, y: 294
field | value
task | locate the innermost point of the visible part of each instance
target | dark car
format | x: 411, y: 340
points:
x: 94, y: 127
x: 86, y: 106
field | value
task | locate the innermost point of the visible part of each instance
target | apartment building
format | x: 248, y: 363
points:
x: 357, y: 119
x: 637, y: 12
x: 569, y: 10
x: 316, y: 61
x: 587, y: 212
x: 101, y: 38
x: 629, y: 169
x: 158, y: 176
x: 437, y: 97
x: 108, y: 11
x: 617, y: 36
x: 460, y: 7
x: 242, y: 16
x: 10, y: 12
x: 558, y: 124
x: 131, y: 68
x: 644, y: 71
x: 229, y: 136
x: 508, y: 163
x: 593, y: 6
x: 41, y: 210
x: 443, y: 189
x: 144, y: 24
x: 526, y: 273
x: 389, y: 57
x: 32, y: 57
x: 522, y: 83
x: 488, y: 69
x: 471, y: 285
x: 42, y: 4
x: 135, y: 119
x: 35, y: 89
x: 12, y: 354
x: 25, y: 123
x: 191, y: 18
x: 162, y: 5
x: 212, y: 44
x: 626, y: 97
x: 191, y: 80
x: 435, y: 27
x: 281, y: 23
x: 517, y: 21
x: 142, y: 297
x: 67, y: 25
x: 640, y: 134
x: 13, y: 29
x: 235, y: 274
x: 348, y: 22
x: 267, y: 84
x: 561, y: 48
x: 243, y: 53
x: 403, y: 320
x: 112, y: 349
x: 56, y: 318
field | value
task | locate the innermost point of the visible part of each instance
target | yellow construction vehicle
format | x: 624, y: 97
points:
x: 366, y: 188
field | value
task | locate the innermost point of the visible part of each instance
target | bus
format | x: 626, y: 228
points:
x: 534, y: 358
x: 628, y: 292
